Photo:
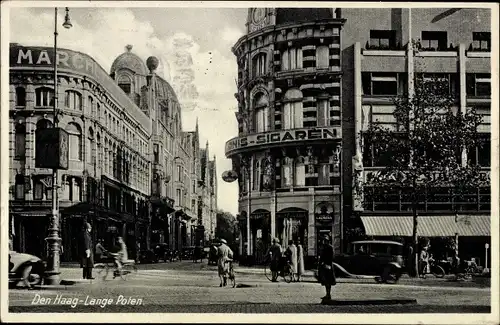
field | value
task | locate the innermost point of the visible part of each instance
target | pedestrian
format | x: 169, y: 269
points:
x: 291, y: 253
x: 275, y: 253
x: 326, y: 272
x: 87, y: 254
x: 100, y: 251
x: 225, y: 255
x: 300, y: 261
x: 121, y: 256
x: 424, y: 261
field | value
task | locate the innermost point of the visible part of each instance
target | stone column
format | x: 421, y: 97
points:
x: 272, y: 208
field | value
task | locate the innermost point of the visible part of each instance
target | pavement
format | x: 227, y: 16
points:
x: 186, y: 287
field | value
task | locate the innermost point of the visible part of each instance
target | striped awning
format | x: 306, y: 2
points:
x: 428, y: 226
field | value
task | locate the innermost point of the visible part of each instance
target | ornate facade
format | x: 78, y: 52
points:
x: 288, y: 150
x: 125, y: 146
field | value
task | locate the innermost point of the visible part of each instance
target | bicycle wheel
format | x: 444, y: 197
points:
x: 127, y: 270
x: 287, y: 274
x: 232, y: 278
x: 438, y: 271
x: 101, y: 270
x: 267, y: 271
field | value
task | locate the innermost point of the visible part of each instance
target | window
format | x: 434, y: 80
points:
x: 90, y: 103
x: 99, y: 151
x: 479, y: 84
x: 481, y: 41
x: 259, y: 65
x: 91, y: 147
x: 286, y: 172
x: 125, y: 84
x: 178, y: 196
x: 447, y: 83
x: 324, y: 174
x: 481, y: 153
x: 256, y: 175
x: 44, y: 97
x: 291, y: 59
x: 293, y: 115
x: 382, y: 39
x: 156, y: 153
x: 20, y: 96
x: 380, y: 84
x: 323, y: 112
x: 300, y: 172
x: 20, y: 189
x: 98, y: 111
x: 193, y: 189
x: 179, y: 173
x: 261, y: 107
x: 322, y: 57
x: 75, y: 141
x: 74, y: 100
x: 42, y: 187
x: 20, y: 141
x: 434, y: 41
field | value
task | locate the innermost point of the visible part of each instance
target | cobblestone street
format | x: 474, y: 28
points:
x: 186, y: 287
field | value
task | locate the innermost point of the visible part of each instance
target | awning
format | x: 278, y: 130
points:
x: 428, y: 226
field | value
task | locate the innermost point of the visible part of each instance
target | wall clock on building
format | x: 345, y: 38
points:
x: 258, y: 19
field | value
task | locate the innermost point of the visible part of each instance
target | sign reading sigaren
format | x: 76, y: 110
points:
x: 282, y: 137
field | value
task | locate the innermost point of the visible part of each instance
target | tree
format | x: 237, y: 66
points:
x: 424, y: 150
x: 227, y: 228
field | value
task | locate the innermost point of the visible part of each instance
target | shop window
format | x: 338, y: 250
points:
x: 434, y: 41
x: 380, y: 84
x: 293, y: 115
x: 44, y: 97
x: 259, y: 65
x: 291, y: 59
x: 479, y: 84
x: 20, y: 142
x: 74, y: 100
x: 322, y: 57
x: 481, y: 41
x: 75, y: 141
x: 20, y: 97
x: 382, y: 39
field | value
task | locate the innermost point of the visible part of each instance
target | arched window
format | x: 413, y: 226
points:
x: 20, y: 97
x: 293, y: 115
x: 20, y: 141
x: 43, y: 124
x: 44, y: 97
x: 99, y: 151
x: 256, y: 174
x: 125, y: 83
x: 259, y: 65
x: 291, y: 59
x: 73, y: 100
x: 261, y: 111
x: 91, y: 148
x: 322, y: 56
x: 90, y: 103
x: 75, y: 141
x: 300, y: 172
x: 98, y: 111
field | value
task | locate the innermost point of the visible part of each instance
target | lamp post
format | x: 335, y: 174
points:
x: 53, y: 239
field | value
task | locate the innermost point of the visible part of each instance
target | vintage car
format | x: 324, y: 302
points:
x: 25, y: 265
x: 380, y: 259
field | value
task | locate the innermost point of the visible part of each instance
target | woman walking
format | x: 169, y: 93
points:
x: 326, y: 273
x: 291, y: 253
x: 300, y: 261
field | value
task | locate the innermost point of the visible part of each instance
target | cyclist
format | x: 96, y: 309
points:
x: 275, y: 254
x: 121, y: 256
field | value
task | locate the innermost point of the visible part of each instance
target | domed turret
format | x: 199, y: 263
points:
x: 152, y: 63
x: 129, y: 60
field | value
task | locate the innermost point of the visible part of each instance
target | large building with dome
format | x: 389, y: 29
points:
x: 310, y: 81
x: 133, y: 172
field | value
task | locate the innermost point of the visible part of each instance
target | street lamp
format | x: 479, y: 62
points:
x: 53, y: 239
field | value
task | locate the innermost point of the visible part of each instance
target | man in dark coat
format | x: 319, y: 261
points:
x: 326, y: 272
x: 87, y: 261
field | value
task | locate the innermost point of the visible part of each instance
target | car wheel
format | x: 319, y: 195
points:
x: 32, y: 276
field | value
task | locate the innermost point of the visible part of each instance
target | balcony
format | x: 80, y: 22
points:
x: 281, y: 138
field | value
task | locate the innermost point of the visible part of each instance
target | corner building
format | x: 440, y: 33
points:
x: 288, y: 149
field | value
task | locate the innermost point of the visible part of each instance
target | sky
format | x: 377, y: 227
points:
x: 103, y: 34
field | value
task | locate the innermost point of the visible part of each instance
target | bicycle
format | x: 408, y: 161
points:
x: 230, y: 273
x: 102, y: 269
x: 285, y: 272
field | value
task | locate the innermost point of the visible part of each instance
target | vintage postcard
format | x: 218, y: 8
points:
x: 303, y: 162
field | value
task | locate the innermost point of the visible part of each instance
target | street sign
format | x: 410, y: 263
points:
x: 229, y: 176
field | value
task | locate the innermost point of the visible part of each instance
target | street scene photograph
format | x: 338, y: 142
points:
x: 312, y: 159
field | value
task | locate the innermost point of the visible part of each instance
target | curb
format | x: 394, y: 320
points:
x: 369, y: 302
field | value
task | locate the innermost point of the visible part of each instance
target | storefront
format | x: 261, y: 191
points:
x: 291, y: 224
